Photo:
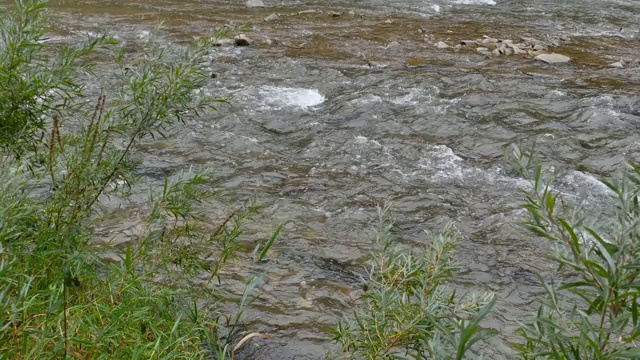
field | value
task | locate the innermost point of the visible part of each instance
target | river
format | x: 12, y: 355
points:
x: 331, y: 115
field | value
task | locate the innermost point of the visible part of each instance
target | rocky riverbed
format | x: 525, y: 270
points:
x: 339, y: 106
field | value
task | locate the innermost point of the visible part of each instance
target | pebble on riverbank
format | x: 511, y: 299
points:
x: 271, y: 17
x: 553, y: 58
x: 534, y: 48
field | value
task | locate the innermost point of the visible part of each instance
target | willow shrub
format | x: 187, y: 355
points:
x: 62, y: 152
x: 590, y: 310
x: 408, y: 310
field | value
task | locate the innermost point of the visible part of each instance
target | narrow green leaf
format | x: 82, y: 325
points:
x: 269, y: 243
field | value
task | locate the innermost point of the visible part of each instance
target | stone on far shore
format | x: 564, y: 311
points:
x: 553, y: 58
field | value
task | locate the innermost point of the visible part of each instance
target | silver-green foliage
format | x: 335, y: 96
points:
x: 591, y: 308
x: 60, y: 157
x: 408, y: 311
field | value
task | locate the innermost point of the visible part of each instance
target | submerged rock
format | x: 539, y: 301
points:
x: 279, y: 127
x: 416, y: 63
x: 271, y: 17
x: 254, y: 3
x: 441, y: 45
x: 553, y: 58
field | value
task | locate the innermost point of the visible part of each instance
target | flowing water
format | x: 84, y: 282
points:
x: 327, y: 120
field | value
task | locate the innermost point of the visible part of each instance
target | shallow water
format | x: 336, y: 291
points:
x: 327, y: 121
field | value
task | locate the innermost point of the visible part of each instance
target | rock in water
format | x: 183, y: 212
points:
x: 254, y: 3
x: 271, y: 17
x: 223, y: 42
x: 553, y: 58
x: 441, y: 45
x: 617, y: 64
x: 242, y: 40
x: 518, y: 51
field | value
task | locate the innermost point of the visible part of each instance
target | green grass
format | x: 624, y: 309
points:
x: 61, y: 156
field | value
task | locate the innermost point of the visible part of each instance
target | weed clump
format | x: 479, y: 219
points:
x: 61, y: 156
x: 408, y: 310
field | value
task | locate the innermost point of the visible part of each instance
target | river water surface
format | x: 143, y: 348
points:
x: 327, y: 120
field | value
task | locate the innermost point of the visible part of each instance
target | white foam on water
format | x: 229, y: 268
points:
x: 414, y: 97
x: 367, y: 99
x: 279, y: 97
x: 144, y: 35
x: 445, y: 163
x: 586, y: 181
x: 363, y: 140
x: 436, y: 8
x: 602, y: 111
x: 475, y: 2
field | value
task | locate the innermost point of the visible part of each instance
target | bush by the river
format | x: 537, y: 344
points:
x: 65, y: 155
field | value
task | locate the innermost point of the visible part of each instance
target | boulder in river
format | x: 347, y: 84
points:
x: 441, y: 45
x: 334, y: 13
x: 242, y: 40
x: 271, y: 17
x: 307, y: 12
x: 254, y: 3
x: 279, y: 127
x: 538, y: 47
x: 468, y: 42
x: 618, y: 64
x: 518, y: 51
x: 553, y: 58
